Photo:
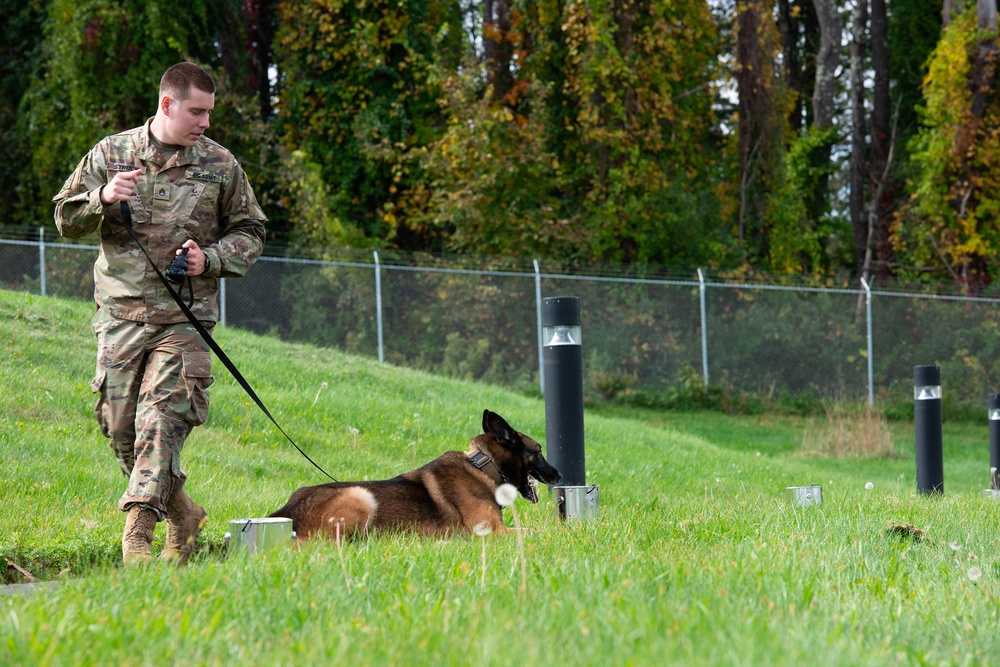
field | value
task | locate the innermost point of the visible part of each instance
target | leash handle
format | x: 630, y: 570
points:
x: 199, y: 327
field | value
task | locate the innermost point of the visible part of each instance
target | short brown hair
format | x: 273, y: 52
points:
x: 178, y: 80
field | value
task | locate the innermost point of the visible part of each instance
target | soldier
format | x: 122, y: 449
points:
x: 153, y: 369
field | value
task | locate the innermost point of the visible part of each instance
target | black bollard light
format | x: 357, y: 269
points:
x: 562, y: 356
x: 927, y: 428
x: 994, y: 414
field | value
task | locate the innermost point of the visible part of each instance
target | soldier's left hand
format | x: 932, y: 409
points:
x: 196, y: 258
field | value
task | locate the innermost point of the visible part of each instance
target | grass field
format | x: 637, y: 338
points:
x: 697, y: 558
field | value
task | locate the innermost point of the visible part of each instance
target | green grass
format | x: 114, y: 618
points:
x: 696, y: 558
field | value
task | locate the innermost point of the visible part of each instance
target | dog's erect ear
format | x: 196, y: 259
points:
x: 495, y: 425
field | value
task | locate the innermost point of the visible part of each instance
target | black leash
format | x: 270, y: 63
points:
x: 223, y: 357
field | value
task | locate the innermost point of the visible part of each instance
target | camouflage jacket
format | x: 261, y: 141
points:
x: 199, y: 193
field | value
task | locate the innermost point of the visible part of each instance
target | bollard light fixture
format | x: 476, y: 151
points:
x: 562, y: 356
x: 927, y: 429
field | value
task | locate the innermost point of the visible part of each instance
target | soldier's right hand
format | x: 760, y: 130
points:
x: 120, y: 188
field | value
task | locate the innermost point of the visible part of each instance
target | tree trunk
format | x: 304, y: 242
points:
x: 756, y: 120
x: 948, y: 9
x: 497, y: 46
x: 859, y: 146
x: 789, y: 27
x: 884, y: 202
x: 823, y: 102
x: 264, y: 38
x: 827, y: 59
x: 986, y: 10
x: 810, y: 46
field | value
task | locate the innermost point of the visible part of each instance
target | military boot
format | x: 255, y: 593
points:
x: 185, y: 519
x: 137, y: 541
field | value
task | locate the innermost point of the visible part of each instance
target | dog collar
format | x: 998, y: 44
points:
x: 480, y: 460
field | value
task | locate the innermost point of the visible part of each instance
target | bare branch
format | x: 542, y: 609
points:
x: 943, y: 258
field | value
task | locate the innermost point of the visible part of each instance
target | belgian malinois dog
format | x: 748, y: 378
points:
x: 453, y: 493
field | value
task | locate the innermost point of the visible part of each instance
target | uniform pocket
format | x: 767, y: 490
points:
x: 204, y: 215
x: 198, y: 364
x: 198, y: 378
x: 98, y: 382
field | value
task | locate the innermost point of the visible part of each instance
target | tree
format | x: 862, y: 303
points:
x: 882, y: 194
x: 100, y: 71
x: 790, y: 27
x: 498, y: 46
x: 761, y: 125
x: 637, y: 77
x: 824, y: 102
x: 859, y: 136
x: 20, y: 59
x: 948, y: 226
x: 596, y: 147
x: 356, y: 97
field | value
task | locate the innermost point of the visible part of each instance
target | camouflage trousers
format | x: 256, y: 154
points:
x: 153, y: 383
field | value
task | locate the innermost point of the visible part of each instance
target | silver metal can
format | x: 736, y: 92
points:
x: 804, y: 496
x: 253, y: 536
x: 578, y: 502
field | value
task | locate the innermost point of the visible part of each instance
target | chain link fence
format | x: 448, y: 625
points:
x: 478, y: 319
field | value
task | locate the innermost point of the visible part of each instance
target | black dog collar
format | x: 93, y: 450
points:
x: 480, y: 460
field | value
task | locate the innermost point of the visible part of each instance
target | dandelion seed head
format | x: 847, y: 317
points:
x: 869, y: 486
x: 505, y: 494
x: 482, y: 529
x: 974, y: 573
x: 955, y: 546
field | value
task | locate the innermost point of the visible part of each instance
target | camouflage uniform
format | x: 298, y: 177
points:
x: 153, y: 369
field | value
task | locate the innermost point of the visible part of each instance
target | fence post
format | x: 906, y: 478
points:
x: 868, y: 320
x: 41, y: 257
x: 538, y: 320
x: 378, y: 307
x: 704, y: 328
x: 222, y: 301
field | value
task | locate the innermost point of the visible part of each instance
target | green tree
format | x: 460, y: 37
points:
x: 20, y: 57
x: 493, y: 187
x: 611, y: 107
x: 761, y: 127
x: 100, y: 72
x: 356, y: 96
x: 636, y: 78
x: 948, y: 226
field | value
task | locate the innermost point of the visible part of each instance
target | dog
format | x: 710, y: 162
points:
x: 454, y: 493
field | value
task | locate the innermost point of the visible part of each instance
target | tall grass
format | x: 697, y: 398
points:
x: 696, y: 558
x: 849, y: 431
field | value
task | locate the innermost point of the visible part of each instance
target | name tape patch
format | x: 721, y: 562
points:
x: 206, y: 176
